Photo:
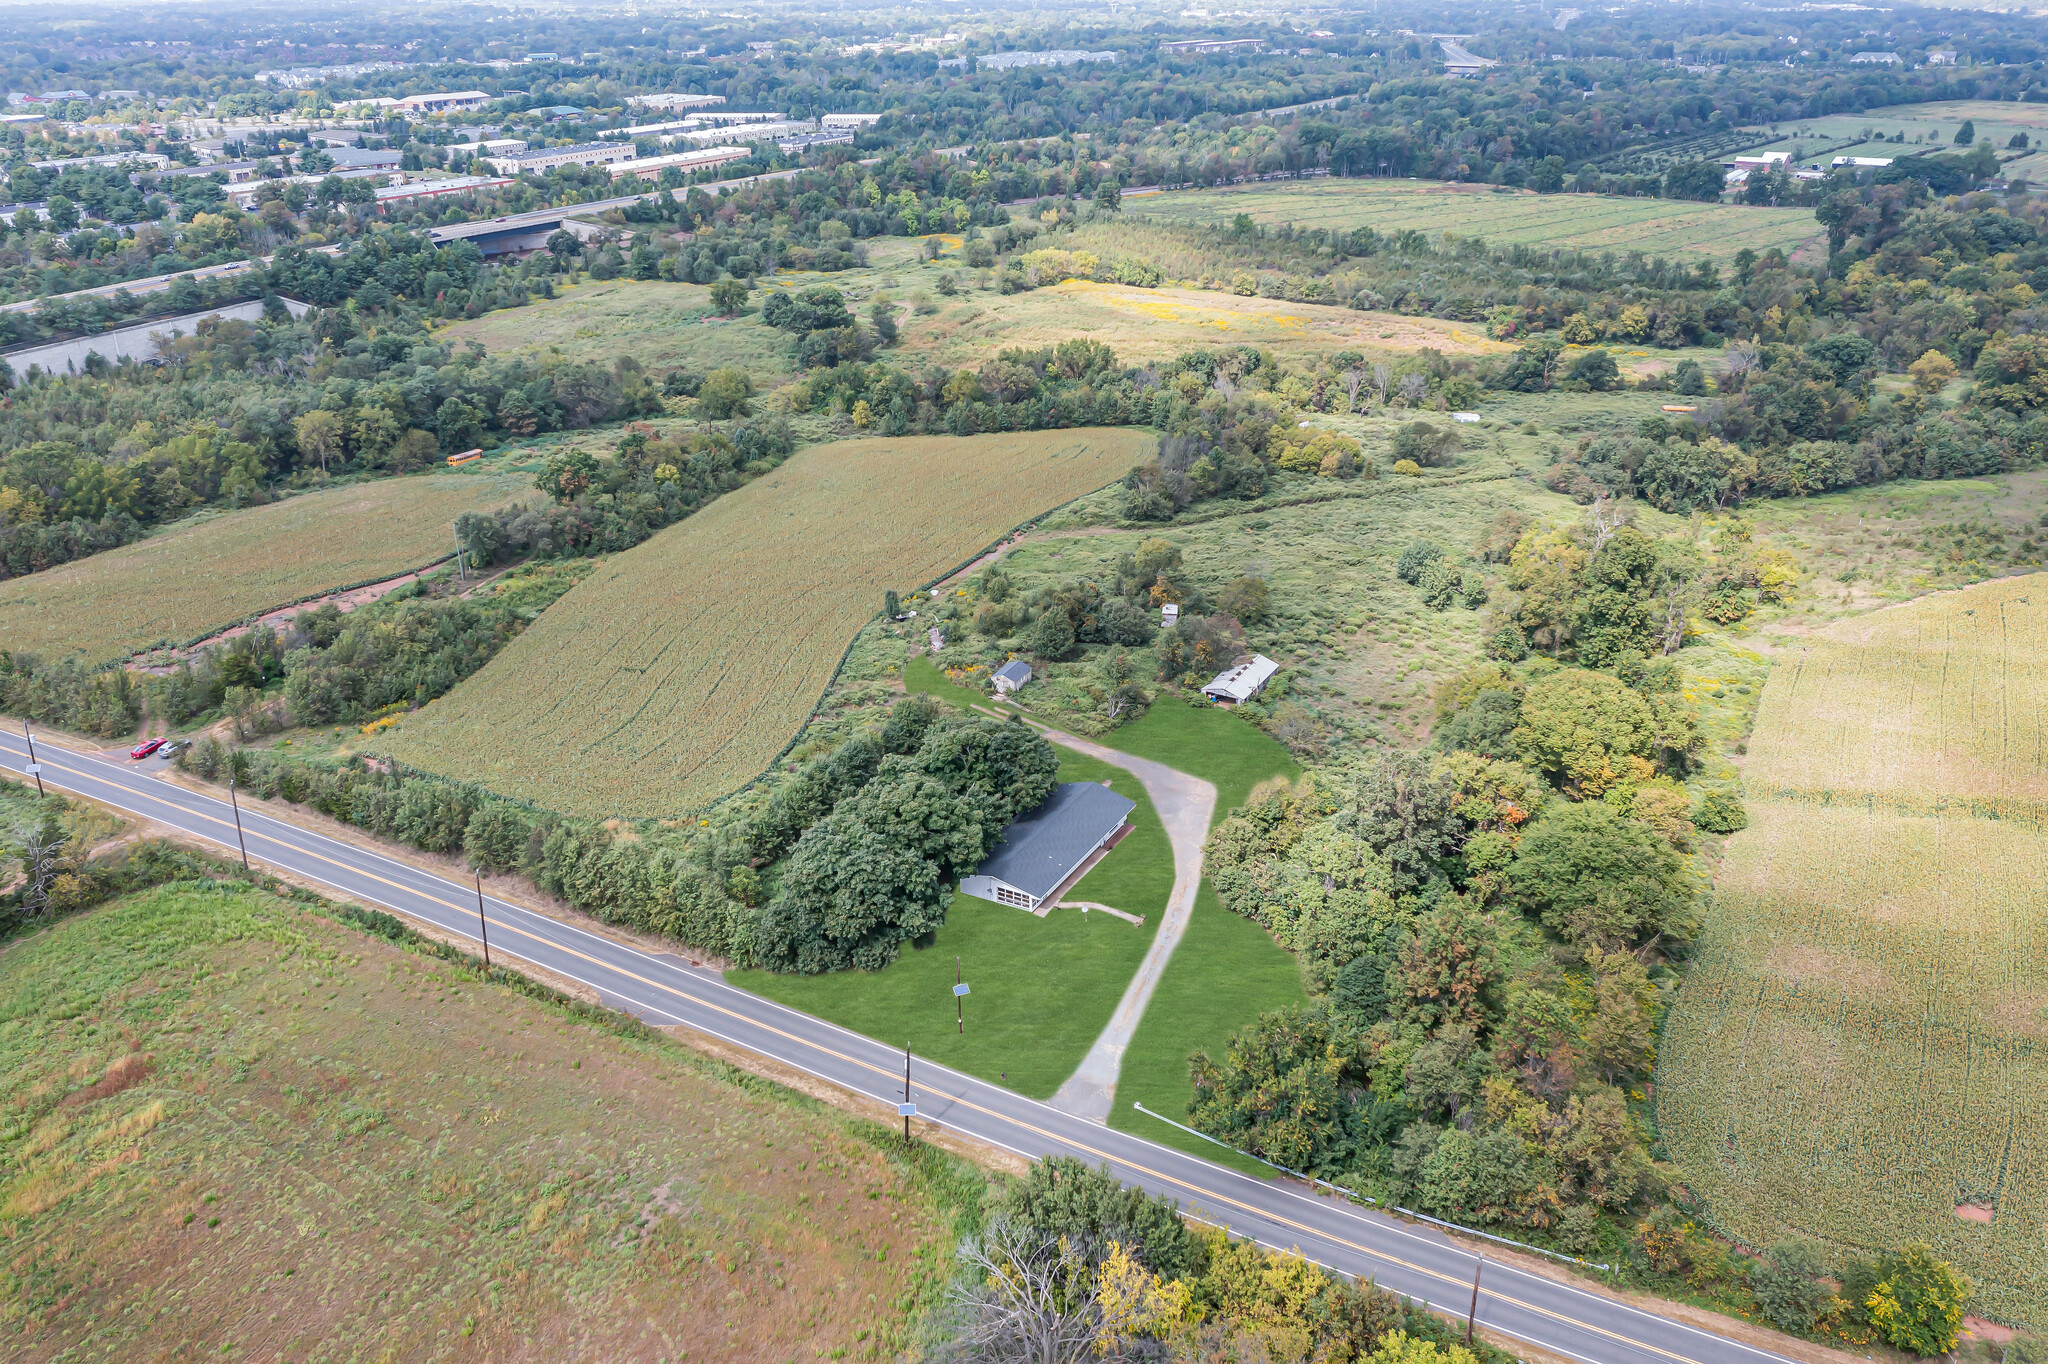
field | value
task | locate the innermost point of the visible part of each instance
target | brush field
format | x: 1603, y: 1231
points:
x: 681, y: 668
x: 1859, y: 1050
x: 210, y: 572
x: 1562, y: 222
x: 236, y: 1128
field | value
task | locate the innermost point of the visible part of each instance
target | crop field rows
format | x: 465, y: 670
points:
x: 1939, y: 698
x: 194, y: 578
x: 1860, y: 1048
x: 1575, y: 222
x: 681, y: 669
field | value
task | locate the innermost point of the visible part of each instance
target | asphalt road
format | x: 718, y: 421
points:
x: 664, y: 989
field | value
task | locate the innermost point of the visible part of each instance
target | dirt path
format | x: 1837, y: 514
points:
x: 1185, y: 805
x: 345, y: 601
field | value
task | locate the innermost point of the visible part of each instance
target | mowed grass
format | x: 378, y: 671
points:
x: 211, y: 572
x: 661, y: 325
x: 677, y: 672
x: 1564, y: 222
x: 1227, y: 970
x: 235, y: 1128
x: 1860, y: 1047
x: 1040, y: 989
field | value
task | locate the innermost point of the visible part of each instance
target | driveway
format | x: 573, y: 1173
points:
x: 1185, y: 805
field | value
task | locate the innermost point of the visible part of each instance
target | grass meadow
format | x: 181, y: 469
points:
x: 1565, y: 222
x: 211, y: 571
x: 1859, y: 1048
x: 678, y: 670
x: 1158, y: 324
x: 1872, y: 547
x: 661, y: 325
x: 236, y: 1128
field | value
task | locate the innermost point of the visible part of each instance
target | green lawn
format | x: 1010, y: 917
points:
x: 1042, y: 988
x: 1206, y: 742
x: 1227, y: 970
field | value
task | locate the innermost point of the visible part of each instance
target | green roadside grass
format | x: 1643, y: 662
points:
x: 1041, y: 990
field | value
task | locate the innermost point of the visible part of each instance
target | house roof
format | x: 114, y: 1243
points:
x: 1016, y: 670
x: 1040, y: 849
x: 1245, y: 679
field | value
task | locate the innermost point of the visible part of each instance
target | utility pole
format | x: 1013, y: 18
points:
x: 460, y: 572
x: 483, y: 925
x: 35, y: 769
x: 237, y: 805
x: 1474, y: 1312
x: 906, y: 1110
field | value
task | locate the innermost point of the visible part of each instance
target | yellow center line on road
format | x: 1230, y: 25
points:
x: 1192, y: 1188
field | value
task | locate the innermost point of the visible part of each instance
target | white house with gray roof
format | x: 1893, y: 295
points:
x: 1041, y: 851
x: 1011, y: 676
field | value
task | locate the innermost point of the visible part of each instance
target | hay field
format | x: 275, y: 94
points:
x: 238, y: 1129
x: 679, y: 670
x: 1860, y: 1048
x: 1158, y: 324
x: 1568, y: 222
x: 211, y: 572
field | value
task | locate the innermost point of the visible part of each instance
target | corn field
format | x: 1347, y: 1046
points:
x: 185, y: 582
x: 678, y: 671
x: 1860, y: 1049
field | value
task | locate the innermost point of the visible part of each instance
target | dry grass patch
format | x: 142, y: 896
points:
x: 1157, y: 324
x: 347, y: 1151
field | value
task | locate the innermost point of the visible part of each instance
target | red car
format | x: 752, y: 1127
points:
x: 145, y: 748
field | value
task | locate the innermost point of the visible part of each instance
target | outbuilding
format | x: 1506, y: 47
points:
x: 1242, y: 682
x: 1043, y: 851
x: 1011, y: 676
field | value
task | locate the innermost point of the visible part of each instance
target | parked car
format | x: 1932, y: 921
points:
x: 145, y: 748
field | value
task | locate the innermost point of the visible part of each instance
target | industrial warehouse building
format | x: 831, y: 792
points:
x: 539, y: 159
